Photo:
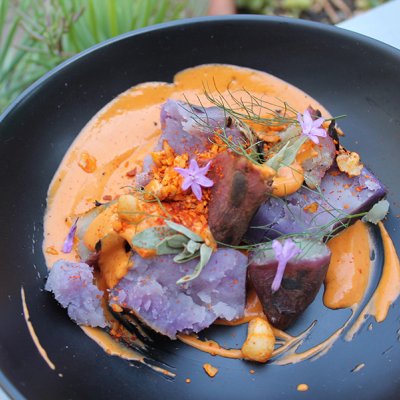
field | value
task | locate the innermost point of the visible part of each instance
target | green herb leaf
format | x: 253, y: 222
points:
x: 377, y: 213
x: 185, y: 231
x: 205, y: 255
x: 151, y: 237
x: 287, y: 154
x: 171, y: 245
x: 190, y: 251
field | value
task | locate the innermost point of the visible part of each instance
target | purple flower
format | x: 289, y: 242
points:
x: 69, y: 241
x: 283, y: 253
x: 311, y: 128
x: 195, y: 177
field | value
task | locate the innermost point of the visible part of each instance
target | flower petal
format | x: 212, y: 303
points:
x: 187, y: 182
x: 69, y: 241
x: 204, y: 170
x: 193, y: 166
x: 318, y: 132
x: 276, y: 283
x: 204, y: 181
x: 196, y: 189
x: 183, y: 171
x: 318, y: 122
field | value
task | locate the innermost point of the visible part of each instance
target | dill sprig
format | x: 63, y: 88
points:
x: 255, y: 109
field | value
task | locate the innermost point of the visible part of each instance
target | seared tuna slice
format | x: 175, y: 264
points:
x: 150, y: 291
x: 239, y: 190
x: 316, y: 212
x: 301, y: 281
x: 188, y: 128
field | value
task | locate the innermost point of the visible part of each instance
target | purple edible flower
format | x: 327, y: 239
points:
x: 69, y: 241
x: 195, y: 177
x: 311, y: 128
x: 283, y: 253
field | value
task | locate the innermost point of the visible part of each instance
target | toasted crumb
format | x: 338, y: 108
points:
x: 87, y: 163
x: 188, y: 380
x: 349, y: 163
x: 210, y: 370
x: 116, y: 308
x: 51, y: 250
x: 311, y: 208
x: 252, y: 371
x: 302, y: 387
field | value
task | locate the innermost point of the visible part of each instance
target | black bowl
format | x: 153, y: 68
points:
x: 346, y: 72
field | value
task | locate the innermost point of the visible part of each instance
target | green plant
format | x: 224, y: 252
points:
x: 36, y: 35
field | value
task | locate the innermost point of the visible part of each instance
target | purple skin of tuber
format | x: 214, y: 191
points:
x: 188, y: 128
x: 301, y: 281
x: 239, y: 190
x: 339, y: 197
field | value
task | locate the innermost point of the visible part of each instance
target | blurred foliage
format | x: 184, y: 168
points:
x: 309, y: 9
x: 36, y: 35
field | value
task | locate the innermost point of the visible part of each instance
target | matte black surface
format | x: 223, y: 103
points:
x: 348, y: 73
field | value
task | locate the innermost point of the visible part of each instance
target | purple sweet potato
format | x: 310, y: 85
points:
x: 73, y: 287
x: 316, y: 212
x: 150, y: 291
x: 238, y: 191
x: 301, y: 281
x: 188, y: 128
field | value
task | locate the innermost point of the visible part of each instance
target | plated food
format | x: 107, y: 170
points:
x: 225, y: 197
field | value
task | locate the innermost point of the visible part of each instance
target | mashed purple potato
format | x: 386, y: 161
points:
x: 150, y: 290
x: 72, y: 285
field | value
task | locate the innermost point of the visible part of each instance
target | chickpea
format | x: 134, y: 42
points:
x: 260, y: 341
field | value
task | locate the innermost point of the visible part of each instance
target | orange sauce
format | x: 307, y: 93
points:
x: 349, y: 270
x: 32, y: 332
x: 115, y: 141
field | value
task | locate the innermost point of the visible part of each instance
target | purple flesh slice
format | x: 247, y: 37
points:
x: 316, y: 167
x: 72, y: 285
x: 301, y: 281
x: 150, y: 291
x: 239, y: 190
x: 188, y: 128
x: 340, y: 196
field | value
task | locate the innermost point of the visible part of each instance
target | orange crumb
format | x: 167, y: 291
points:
x: 311, y: 208
x: 51, y: 250
x: 302, y: 387
x: 188, y: 380
x: 346, y: 206
x: 252, y: 371
x: 132, y: 172
x: 87, y: 163
x: 210, y: 370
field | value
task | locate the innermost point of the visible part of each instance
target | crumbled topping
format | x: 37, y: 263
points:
x: 349, y: 163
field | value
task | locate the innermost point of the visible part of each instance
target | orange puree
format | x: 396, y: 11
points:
x: 348, y: 273
x: 388, y: 289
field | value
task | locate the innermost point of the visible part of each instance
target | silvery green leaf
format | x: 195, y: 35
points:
x: 205, y: 255
x: 185, y: 231
x: 287, y: 154
x: 151, y: 237
x: 192, y: 246
x: 377, y: 212
x: 171, y: 244
x: 185, y: 256
x: 177, y: 241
